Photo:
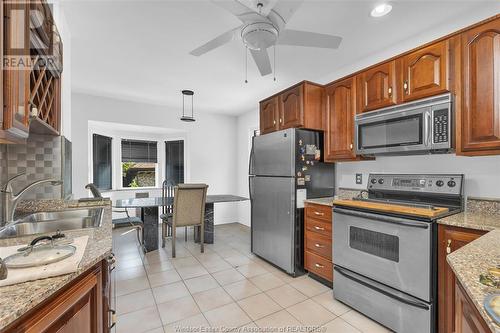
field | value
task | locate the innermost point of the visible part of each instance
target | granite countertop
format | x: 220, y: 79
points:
x: 326, y: 201
x: 18, y: 299
x: 484, y: 252
x: 476, y: 257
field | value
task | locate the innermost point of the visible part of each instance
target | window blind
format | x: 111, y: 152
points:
x: 139, y: 151
x: 101, y: 160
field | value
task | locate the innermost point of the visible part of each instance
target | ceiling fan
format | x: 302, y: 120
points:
x: 263, y: 26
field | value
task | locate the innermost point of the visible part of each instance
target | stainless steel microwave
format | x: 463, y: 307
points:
x: 423, y: 126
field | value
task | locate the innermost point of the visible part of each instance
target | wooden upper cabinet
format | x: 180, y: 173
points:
x: 480, y: 118
x: 450, y: 239
x: 269, y: 115
x: 425, y: 72
x: 299, y: 106
x: 291, y: 104
x: 340, y: 108
x: 377, y: 87
x: 16, y: 77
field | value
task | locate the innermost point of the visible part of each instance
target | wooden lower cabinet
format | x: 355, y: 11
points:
x: 80, y: 307
x: 467, y: 318
x: 318, y: 241
x: 450, y: 239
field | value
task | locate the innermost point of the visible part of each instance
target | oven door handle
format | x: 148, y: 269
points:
x: 381, y: 218
x: 362, y: 281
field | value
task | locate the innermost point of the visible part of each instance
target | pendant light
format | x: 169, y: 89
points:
x: 184, y: 94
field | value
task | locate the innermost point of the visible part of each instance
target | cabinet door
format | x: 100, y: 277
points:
x: 340, y: 103
x: 425, y: 72
x: 269, y: 115
x: 468, y: 319
x: 77, y: 309
x: 481, y: 88
x: 291, y: 105
x: 16, y: 73
x: 377, y: 87
x: 449, y: 239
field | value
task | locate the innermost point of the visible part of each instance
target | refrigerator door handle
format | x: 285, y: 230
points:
x: 250, y: 188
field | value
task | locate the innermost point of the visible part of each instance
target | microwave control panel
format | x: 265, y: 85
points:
x: 440, y: 125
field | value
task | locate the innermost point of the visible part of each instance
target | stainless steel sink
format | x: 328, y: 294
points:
x: 43, y: 222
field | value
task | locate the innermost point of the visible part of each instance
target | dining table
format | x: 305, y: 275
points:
x: 149, y: 214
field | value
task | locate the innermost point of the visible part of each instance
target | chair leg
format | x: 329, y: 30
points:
x: 202, y: 238
x: 185, y: 234
x: 163, y: 233
x: 138, y: 229
x: 173, y: 242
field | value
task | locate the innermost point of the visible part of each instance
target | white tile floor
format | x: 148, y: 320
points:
x: 225, y: 287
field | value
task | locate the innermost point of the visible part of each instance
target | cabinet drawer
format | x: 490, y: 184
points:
x: 319, y: 245
x: 320, y: 227
x: 319, y: 266
x: 319, y: 212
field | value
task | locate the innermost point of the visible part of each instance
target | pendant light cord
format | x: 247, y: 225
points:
x: 246, y: 64
x: 274, y: 65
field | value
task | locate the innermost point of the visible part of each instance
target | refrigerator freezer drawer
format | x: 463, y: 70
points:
x: 391, y: 308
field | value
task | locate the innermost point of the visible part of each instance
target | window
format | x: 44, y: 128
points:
x: 174, y: 158
x: 139, y: 163
x: 101, y: 160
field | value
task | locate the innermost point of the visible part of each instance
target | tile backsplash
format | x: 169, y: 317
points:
x: 39, y: 158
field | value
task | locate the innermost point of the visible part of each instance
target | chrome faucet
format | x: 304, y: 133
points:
x: 10, y: 200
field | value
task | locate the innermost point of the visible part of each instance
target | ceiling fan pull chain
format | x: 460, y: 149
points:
x: 274, y: 65
x: 246, y: 64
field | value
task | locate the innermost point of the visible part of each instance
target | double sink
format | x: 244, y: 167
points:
x: 47, y: 222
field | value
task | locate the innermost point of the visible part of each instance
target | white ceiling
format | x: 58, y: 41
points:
x: 138, y: 50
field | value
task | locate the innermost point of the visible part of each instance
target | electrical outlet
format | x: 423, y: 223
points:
x: 359, y: 178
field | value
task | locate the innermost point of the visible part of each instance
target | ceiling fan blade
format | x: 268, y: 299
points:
x: 310, y: 39
x: 262, y: 60
x: 233, y: 6
x: 284, y: 10
x: 215, y: 43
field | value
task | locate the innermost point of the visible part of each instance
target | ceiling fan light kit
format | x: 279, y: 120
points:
x: 259, y: 31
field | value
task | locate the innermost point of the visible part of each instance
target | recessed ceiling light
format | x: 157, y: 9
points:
x: 381, y: 10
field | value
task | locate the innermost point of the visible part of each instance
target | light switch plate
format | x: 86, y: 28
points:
x: 359, y: 178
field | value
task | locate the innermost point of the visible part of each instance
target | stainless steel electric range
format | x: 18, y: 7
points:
x: 385, y: 246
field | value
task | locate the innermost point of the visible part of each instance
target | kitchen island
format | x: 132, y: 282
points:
x: 20, y: 302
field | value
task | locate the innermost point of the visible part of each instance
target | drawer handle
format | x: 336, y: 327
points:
x: 318, y: 228
x: 448, y: 246
x: 318, y: 213
x: 319, y: 266
x: 319, y: 245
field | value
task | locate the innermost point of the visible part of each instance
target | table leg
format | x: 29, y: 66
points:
x: 209, y: 225
x: 149, y: 216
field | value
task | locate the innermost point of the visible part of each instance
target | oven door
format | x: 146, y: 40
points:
x: 396, y: 131
x: 391, y: 250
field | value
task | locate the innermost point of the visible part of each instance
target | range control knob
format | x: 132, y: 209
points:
x: 373, y: 181
x: 381, y: 181
x: 451, y: 183
x: 439, y: 183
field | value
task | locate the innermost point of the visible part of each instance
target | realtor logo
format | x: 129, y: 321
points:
x: 31, y: 40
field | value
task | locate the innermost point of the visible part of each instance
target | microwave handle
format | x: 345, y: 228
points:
x: 428, y: 129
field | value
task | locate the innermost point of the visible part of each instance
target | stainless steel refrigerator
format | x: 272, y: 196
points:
x: 286, y: 167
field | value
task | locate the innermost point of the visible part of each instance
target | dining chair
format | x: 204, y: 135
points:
x: 167, y: 191
x: 188, y: 210
x: 131, y: 221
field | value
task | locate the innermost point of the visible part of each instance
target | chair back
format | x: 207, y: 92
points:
x: 167, y: 191
x: 189, y: 204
